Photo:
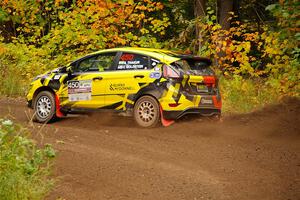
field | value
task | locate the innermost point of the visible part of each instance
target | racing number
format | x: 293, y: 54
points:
x: 73, y: 84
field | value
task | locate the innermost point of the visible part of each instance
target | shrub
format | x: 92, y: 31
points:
x: 24, y: 168
x: 19, y: 63
x: 242, y: 95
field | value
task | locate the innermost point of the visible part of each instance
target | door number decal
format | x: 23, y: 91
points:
x: 80, y: 90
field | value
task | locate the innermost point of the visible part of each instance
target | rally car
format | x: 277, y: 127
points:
x: 151, y: 85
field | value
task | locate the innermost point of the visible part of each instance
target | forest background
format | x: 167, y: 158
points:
x: 254, y: 44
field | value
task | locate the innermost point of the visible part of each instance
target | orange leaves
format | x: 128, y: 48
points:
x: 2, y: 49
x: 233, y: 48
x: 65, y: 25
x: 149, y: 6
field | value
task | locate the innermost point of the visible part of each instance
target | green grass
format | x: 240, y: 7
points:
x: 24, y: 168
x: 245, y: 95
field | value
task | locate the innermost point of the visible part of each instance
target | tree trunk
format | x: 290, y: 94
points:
x: 199, y: 11
x: 236, y: 9
x: 200, y: 8
x: 225, y: 6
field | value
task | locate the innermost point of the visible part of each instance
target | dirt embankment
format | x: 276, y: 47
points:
x: 102, y: 156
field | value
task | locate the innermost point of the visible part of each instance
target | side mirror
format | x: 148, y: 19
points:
x: 69, y: 71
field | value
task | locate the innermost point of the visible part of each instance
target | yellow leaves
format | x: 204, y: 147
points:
x: 142, y: 15
x: 277, y: 57
x: 144, y: 31
x: 247, y: 46
x: 285, y: 57
x: 251, y: 36
x: 238, y: 33
x: 224, y: 43
x: 271, y: 51
x: 275, y: 41
x: 58, y: 2
x: 215, y: 27
x: 159, y: 6
x: 142, y: 7
x: 159, y: 26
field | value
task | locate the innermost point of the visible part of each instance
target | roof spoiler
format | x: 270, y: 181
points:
x: 197, y: 58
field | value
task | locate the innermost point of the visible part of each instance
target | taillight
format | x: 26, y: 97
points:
x: 210, y: 81
x: 217, y: 102
x: 169, y: 72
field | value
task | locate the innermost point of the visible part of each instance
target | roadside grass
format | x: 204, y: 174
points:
x: 24, y: 167
x: 241, y: 95
x: 20, y: 63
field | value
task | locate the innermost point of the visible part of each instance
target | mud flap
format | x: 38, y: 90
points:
x: 57, y: 107
x: 165, y: 122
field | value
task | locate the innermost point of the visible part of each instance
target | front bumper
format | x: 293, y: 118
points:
x: 201, y: 111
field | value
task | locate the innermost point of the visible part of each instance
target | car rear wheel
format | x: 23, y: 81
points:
x: 146, y: 112
x: 44, y: 107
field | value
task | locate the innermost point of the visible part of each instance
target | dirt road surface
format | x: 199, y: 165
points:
x: 103, y: 156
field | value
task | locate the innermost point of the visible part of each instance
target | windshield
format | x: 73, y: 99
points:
x: 193, y: 67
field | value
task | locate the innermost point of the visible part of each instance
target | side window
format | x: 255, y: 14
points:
x: 97, y: 63
x: 132, y: 61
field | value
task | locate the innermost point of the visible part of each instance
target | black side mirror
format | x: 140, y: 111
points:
x: 69, y: 71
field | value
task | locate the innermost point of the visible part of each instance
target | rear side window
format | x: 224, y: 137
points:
x: 198, y: 64
x: 132, y: 61
x: 194, y: 66
x: 97, y: 63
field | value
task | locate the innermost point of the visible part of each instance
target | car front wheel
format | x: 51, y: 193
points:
x: 146, y: 112
x: 44, y: 107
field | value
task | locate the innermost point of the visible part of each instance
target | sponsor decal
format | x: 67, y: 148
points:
x: 154, y: 62
x: 156, y: 69
x: 57, y: 77
x: 155, y: 75
x: 119, y: 87
x: 130, y: 61
x: 134, y: 64
x: 127, y: 57
x: 80, y: 90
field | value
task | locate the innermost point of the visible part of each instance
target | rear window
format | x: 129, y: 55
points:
x: 194, y: 66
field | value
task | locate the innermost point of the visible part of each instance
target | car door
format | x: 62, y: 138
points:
x: 133, y: 71
x: 85, y: 87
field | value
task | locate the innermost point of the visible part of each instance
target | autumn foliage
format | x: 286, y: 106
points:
x: 259, y: 64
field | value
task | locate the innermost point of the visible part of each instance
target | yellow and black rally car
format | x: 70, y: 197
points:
x: 152, y: 85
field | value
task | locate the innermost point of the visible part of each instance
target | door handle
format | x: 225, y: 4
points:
x: 139, y: 76
x: 99, y: 78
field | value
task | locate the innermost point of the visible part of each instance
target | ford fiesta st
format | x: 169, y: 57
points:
x: 151, y: 85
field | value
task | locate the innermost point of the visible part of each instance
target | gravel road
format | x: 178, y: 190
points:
x: 104, y: 156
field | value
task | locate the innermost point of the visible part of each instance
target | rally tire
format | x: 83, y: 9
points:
x: 44, y: 107
x: 146, y: 112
